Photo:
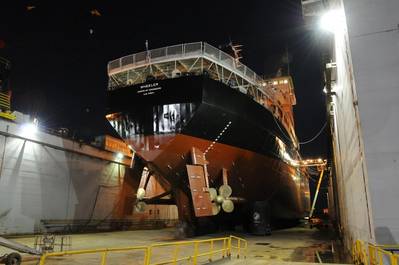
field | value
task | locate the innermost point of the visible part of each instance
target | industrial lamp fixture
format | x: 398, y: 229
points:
x: 333, y: 21
x: 30, y: 128
x: 119, y: 155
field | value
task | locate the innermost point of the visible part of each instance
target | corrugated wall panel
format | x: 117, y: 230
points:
x: 374, y: 46
x: 352, y: 180
x: 39, y: 182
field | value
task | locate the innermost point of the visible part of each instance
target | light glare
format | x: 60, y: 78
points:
x: 29, y: 129
x: 333, y: 21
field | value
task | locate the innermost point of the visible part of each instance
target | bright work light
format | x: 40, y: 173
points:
x: 29, y: 129
x: 119, y: 155
x: 333, y: 21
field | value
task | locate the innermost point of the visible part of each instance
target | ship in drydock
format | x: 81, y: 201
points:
x: 218, y: 138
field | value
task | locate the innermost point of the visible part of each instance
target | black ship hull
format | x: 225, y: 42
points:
x: 162, y: 120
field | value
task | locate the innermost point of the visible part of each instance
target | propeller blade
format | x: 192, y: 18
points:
x: 219, y: 199
x: 140, y: 193
x: 228, y: 206
x: 140, y: 207
x: 215, y: 208
x: 225, y: 191
x: 213, y: 194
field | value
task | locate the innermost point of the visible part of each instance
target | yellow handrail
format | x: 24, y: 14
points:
x: 240, y: 247
x: 103, y: 251
x: 370, y: 254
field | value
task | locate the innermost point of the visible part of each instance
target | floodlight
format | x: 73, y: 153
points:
x: 333, y: 21
x: 29, y: 129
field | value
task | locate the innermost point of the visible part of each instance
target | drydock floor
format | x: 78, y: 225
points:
x: 286, y: 245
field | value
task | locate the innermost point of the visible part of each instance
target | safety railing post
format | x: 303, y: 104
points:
x: 229, y: 246
x: 354, y: 252
x: 195, y: 256
x: 147, y: 259
x: 42, y: 259
x: 211, y: 252
x: 394, y: 260
x: 175, y: 254
x: 371, y: 254
x: 372, y: 257
x: 104, y: 258
x: 361, y: 252
x: 366, y: 254
x: 224, y: 248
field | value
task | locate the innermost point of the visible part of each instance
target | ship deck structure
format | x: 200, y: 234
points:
x: 217, y: 135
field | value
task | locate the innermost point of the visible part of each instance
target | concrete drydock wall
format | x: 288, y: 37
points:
x: 45, y: 177
x: 374, y: 46
x: 364, y: 113
x: 355, y: 212
x: 353, y: 199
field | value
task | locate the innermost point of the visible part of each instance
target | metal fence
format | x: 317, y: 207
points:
x: 370, y: 254
x: 189, y: 251
x: 183, y: 51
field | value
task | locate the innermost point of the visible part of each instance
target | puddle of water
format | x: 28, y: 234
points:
x: 321, y: 253
x: 262, y: 243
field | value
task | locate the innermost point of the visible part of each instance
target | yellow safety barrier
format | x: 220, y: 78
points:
x: 206, y: 247
x: 104, y: 252
x: 370, y: 254
x: 5, y: 109
x: 241, y: 244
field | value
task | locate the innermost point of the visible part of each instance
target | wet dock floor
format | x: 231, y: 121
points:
x: 297, y: 244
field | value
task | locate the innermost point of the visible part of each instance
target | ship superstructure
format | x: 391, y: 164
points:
x: 199, y: 58
x: 199, y: 120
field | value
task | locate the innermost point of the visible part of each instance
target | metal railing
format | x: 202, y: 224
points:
x: 5, y: 106
x: 370, y: 254
x: 183, y: 51
x: 226, y: 246
x: 263, y: 91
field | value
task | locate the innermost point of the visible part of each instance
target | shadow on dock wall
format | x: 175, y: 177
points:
x: 384, y: 236
x: 42, y: 188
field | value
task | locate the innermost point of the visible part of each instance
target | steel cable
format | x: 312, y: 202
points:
x: 317, y: 135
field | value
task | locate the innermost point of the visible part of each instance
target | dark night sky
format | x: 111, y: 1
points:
x: 59, y: 68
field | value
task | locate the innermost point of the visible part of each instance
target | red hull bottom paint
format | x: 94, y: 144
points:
x: 252, y: 176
